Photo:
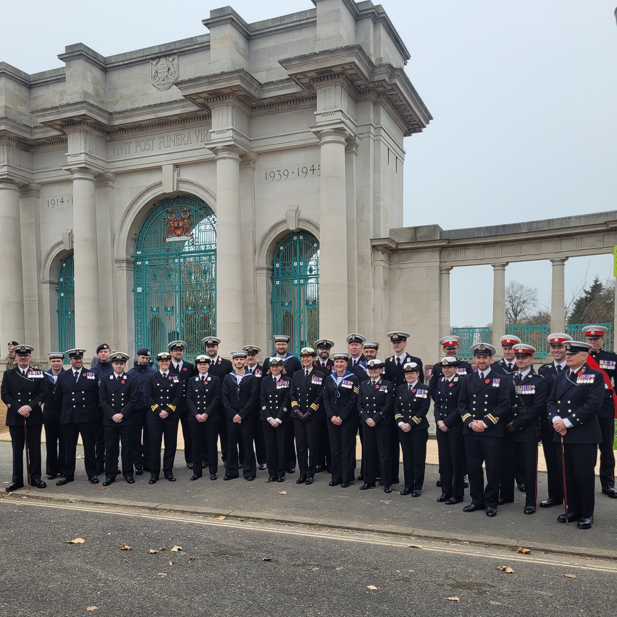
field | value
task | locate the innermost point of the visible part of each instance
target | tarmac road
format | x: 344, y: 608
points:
x: 268, y: 569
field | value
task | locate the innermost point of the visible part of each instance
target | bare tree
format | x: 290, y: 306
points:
x: 521, y: 303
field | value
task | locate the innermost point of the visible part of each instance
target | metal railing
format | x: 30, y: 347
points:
x: 469, y: 337
x: 575, y: 331
x: 536, y: 336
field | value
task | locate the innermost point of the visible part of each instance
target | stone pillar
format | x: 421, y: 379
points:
x: 499, y: 302
x: 105, y: 239
x: 444, y: 300
x: 558, y: 299
x: 247, y: 200
x: 351, y: 155
x: 87, y: 305
x: 333, y: 291
x: 229, y: 309
x: 12, y: 322
x: 124, y: 338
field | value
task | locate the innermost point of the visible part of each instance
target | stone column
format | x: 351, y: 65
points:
x: 333, y: 291
x: 558, y: 299
x: 499, y: 302
x: 229, y: 309
x: 87, y: 305
x: 444, y: 300
x: 109, y: 307
x: 247, y: 200
x: 12, y: 322
x: 351, y: 155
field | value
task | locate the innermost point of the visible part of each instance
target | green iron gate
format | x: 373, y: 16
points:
x: 295, y: 290
x: 175, y: 276
x: 66, y: 304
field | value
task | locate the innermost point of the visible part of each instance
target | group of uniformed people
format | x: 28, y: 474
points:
x: 309, y: 411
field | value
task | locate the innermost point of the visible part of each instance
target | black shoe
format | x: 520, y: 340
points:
x: 501, y: 501
x: 139, y: 471
x: 438, y: 483
x: 280, y: 479
x: 345, y: 484
x: 226, y: 477
x: 472, y: 507
x: 130, y: 480
x: 491, y: 511
x: 465, y: 482
x: 301, y: 479
x: 213, y: 476
x: 452, y: 500
x: 190, y: 465
x: 610, y: 492
x: 250, y: 478
x: 318, y: 468
x: 529, y: 510
x: 62, y: 481
x: 171, y: 478
x: 585, y: 523
x: 39, y: 483
x: 522, y: 488
x: 13, y: 486
x: 329, y: 468
x: 405, y: 491
x: 550, y: 502
x: 52, y: 476
x: 365, y: 487
x: 262, y: 466
x: 108, y: 481
x: 415, y: 493
x: 195, y: 477
x: 387, y: 489
x: 152, y: 480
x: 572, y: 516
x: 308, y: 481
x: 94, y: 480
x: 443, y: 497
x: 204, y: 464
x: 361, y: 477
x: 290, y: 470
x: 334, y: 482
x: 271, y: 478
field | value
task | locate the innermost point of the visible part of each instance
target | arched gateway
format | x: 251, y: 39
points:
x: 175, y: 275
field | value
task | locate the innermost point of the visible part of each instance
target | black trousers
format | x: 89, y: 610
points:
x: 377, y: 453
x: 18, y: 441
x: 54, y: 445
x: 159, y: 428
x: 99, y: 444
x: 223, y: 433
x: 325, y: 454
x: 240, y: 433
x: 114, y: 437
x: 451, y: 452
x: 526, y: 455
x: 290, y: 445
x: 552, y: 454
x: 413, y: 445
x: 141, y: 439
x: 485, y: 450
x: 607, y: 454
x: 72, y: 431
x: 580, y: 461
x: 343, y: 447
x: 395, y: 452
x: 274, y: 439
x: 308, y: 436
x: 188, y: 440
x: 204, y: 436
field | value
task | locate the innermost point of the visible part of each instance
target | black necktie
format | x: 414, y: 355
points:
x: 76, y: 376
x: 559, y: 368
x: 481, y: 376
x: 203, y: 378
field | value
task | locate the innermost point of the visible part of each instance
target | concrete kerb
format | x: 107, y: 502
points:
x: 511, y: 544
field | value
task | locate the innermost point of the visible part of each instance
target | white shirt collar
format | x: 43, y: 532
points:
x: 524, y: 374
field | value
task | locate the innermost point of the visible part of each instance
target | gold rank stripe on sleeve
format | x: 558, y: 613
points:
x: 416, y: 420
x: 154, y: 407
x: 467, y: 415
x: 356, y: 390
x: 294, y: 403
x: 492, y: 418
x: 172, y: 407
x: 314, y: 406
x: 398, y: 415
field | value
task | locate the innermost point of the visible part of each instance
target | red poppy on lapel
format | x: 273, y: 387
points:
x: 184, y: 369
x: 122, y: 381
x: 414, y: 391
x: 487, y: 381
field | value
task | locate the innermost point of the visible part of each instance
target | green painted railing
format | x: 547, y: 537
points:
x: 575, y: 331
x: 469, y: 337
x: 536, y: 336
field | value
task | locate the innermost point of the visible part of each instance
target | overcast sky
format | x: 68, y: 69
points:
x: 523, y: 96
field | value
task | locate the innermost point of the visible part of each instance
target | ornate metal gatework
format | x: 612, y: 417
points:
x: 295, y: 290
x: 66, y: 304
x: 175, y: 275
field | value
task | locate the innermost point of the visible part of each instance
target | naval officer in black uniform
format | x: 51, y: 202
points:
x: 54, y: 437
x: 203, y: 396
x: 528, y: 411
x: 450, y: 345
x: 551, y: 448
x: 23, y: 392
x: 606, y: 363
x: 163, y: 392
x: 117, y: 397
x: 253, y: 366
x: 484, y: 402
x: 325, y: 365
x: 573, y: 406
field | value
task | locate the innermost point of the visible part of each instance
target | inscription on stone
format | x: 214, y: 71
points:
x: 291, y: 173
x: 57, y: 202
x: 152, y: 145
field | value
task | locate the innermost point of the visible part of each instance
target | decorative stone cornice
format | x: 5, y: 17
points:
x: 30, y: 190
x: 106, y: 179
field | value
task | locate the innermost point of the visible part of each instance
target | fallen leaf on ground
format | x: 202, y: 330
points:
x: 192, y: 558
x: 493, y: 602
x: 454, y: 599
x: 339, y: 568
x: 570, y: 575
x: 153, y: 552
x: 506, y: 569
x: 267, y: 559
x: 282, y: 492
x: 175, y: 549
x: 463, y: 542
x: 101, y: 488
x: 24, y: 497
x: 221, y: 518
x: 525, y: 551
x: 78, y: 457
x: 415, y: 546
x: 76, y: 541
x: 171, y: 563
x: 371, y: 587
x: 92, y: 608
x: 161, y: 574
x: 71, y: 501
x: 124, y: 547
x: 163, y: 548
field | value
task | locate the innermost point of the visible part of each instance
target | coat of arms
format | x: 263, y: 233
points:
x: 164, y: 71
x: 179, y: 222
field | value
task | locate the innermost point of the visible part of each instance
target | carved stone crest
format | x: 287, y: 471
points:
x: 164, y: 71
x: 179, y: 223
